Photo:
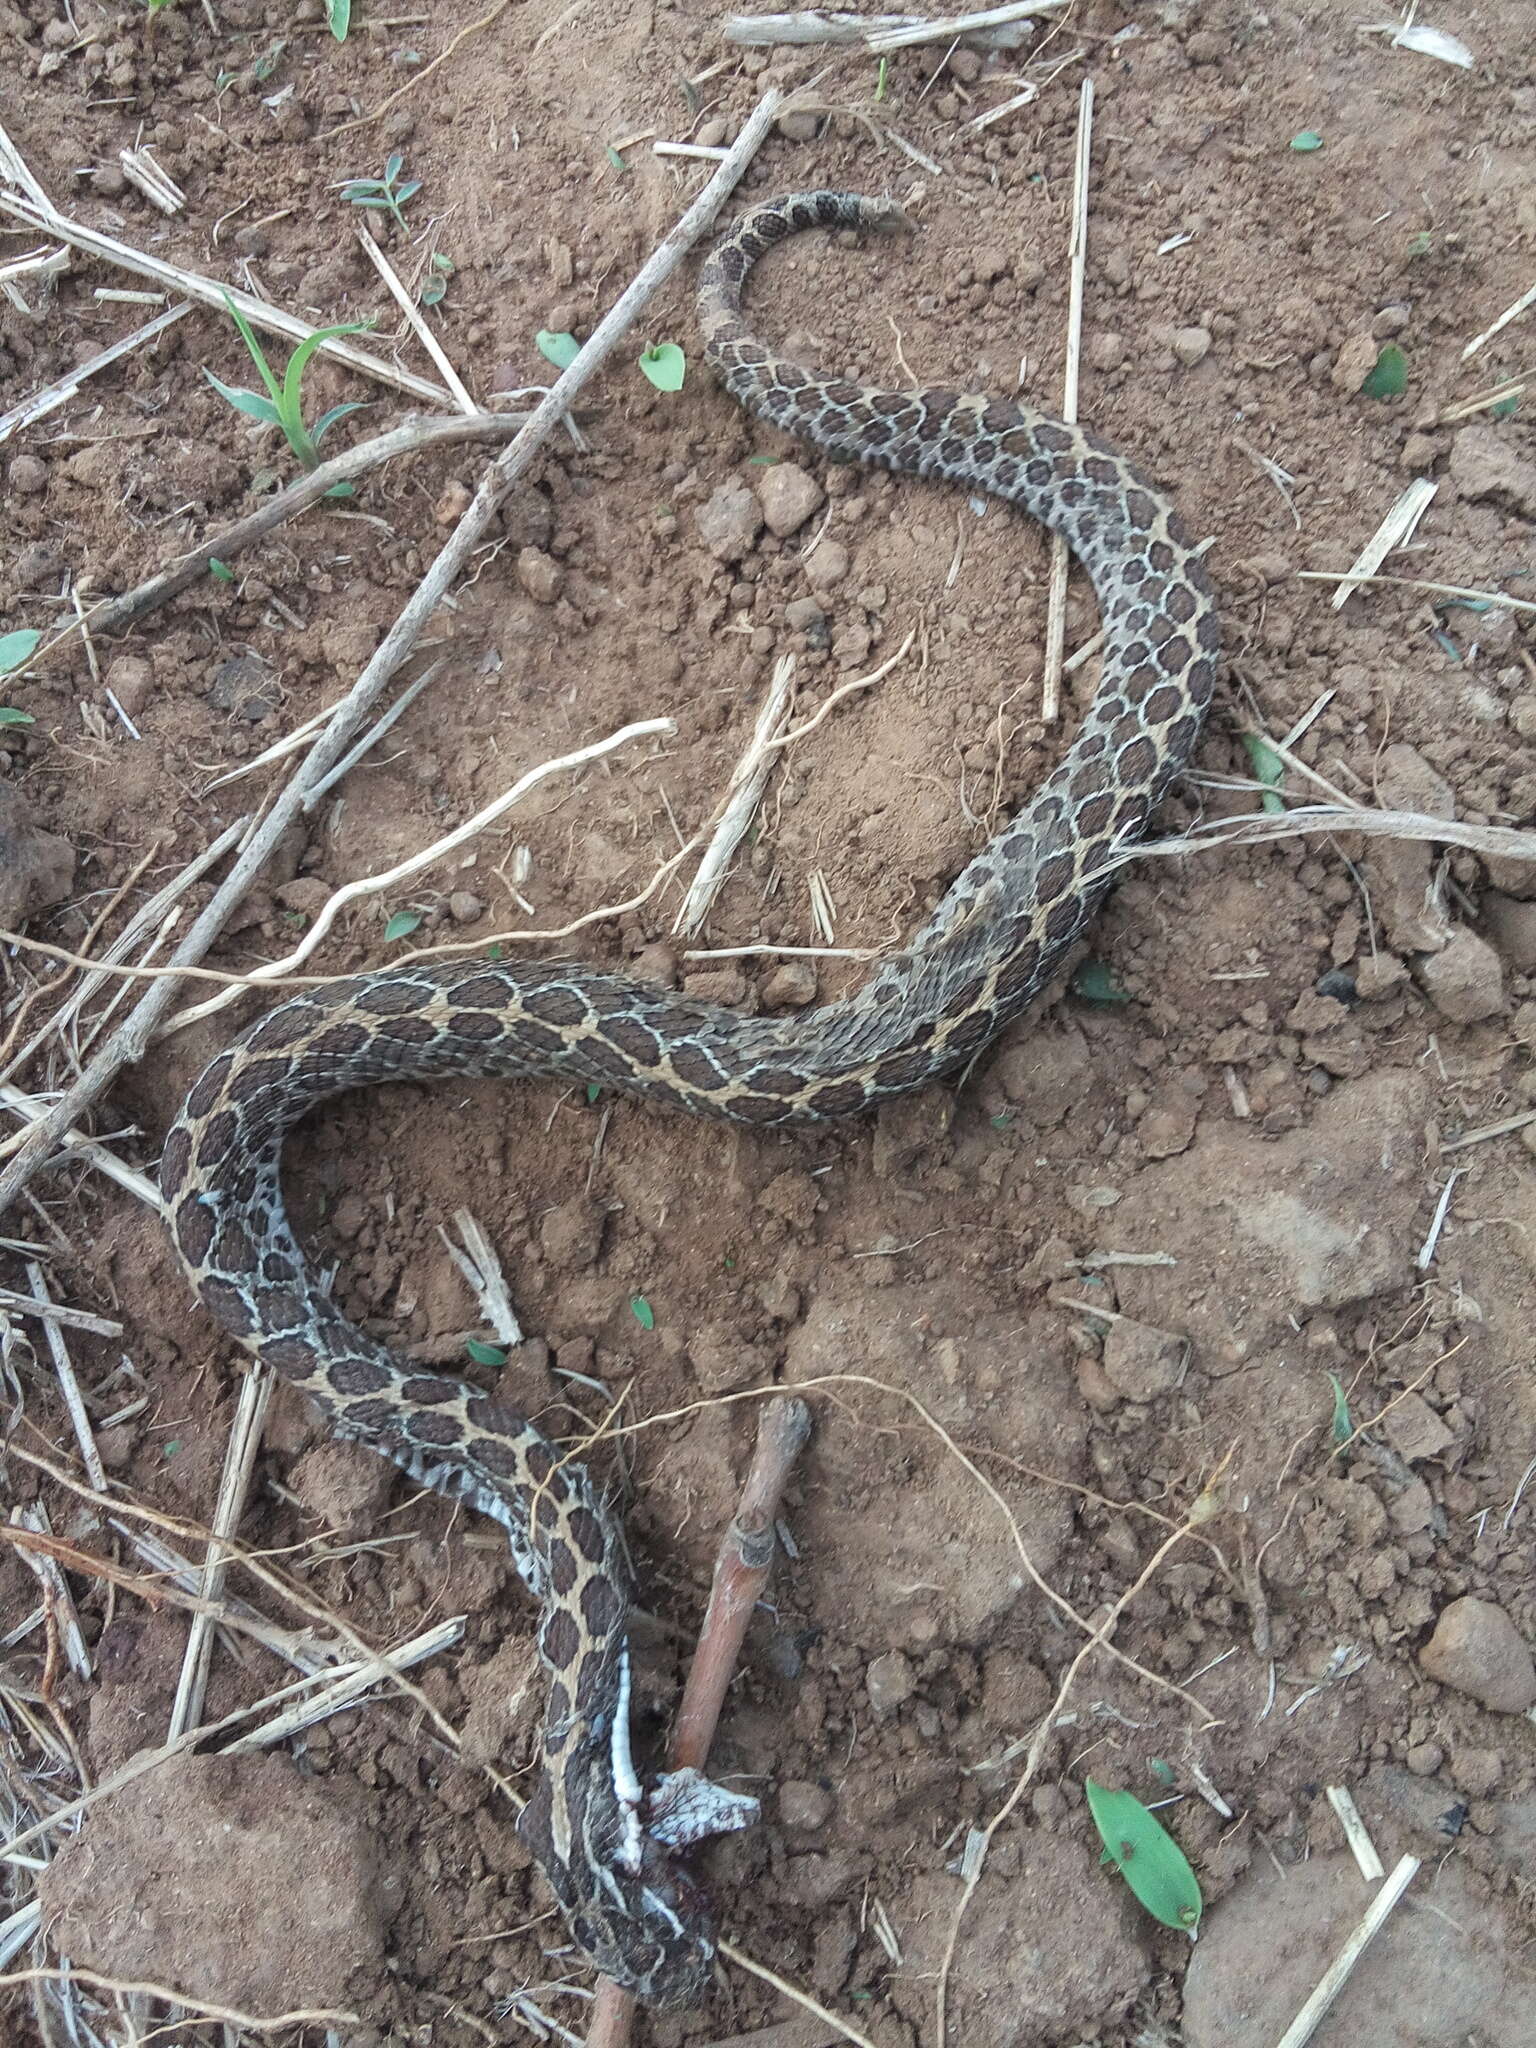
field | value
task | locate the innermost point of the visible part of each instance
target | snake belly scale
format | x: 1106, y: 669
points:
x: 605, y: 1843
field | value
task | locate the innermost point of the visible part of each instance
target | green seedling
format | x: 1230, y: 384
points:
x: 283, y: 405
x: 1343, y: 1428
x: 385, y: 192
x: 615, y: 159
x: 338, y: 18
x: 643, y: 1313
x: 484, y: 1354
x: 1094, y: 983
x: 1267, y: 767
x: 1306, y: 141
x: 401, y: 925
x: 1389, y: 378
x: 1154, y: 1866
x: 16, y: 650
x: 880, y: 78
x: 221, y: 572
x: 665, y: 365
x: 435, y: 285
x: 559, y: 349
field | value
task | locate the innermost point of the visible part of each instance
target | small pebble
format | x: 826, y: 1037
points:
x: 452, y: 504
x: 1106, y: 351
x: 798, y: 125
x: 890, y: 1682
x: 730, y: 521
x: 1465, y: 980
x: 1424, y: 1759
x: 27, y: 476
x: 788, y: 496
x: 1192, y: 345
x: 826, y: 565
x: 803, y: 1805
x: 1477, y: 1650
x: 539, y: 575
x: 964, y: 64
x: 130, y: 679
x: 464, y: 907
x: 790, y: 987
x: 802, y: 614
x: 1356, y: 360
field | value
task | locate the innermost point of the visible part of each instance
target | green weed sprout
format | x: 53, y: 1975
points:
x: 16, y: 650
x: 384, y: 191
x: 283, y: 405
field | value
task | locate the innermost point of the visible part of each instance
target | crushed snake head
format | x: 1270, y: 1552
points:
x: 608, y: 1846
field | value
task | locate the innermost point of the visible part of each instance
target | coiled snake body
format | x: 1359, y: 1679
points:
x: 603, y: 1841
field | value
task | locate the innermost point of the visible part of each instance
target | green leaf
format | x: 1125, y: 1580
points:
x: 338, y: 18
x: 1268, y: 768
x: 394, y: 164
x: 1094, y: 983
x: 1306, y: 141
x: 594, y: 1089
x: 616, y: 160
x: 880, y: 78
x: 402, y: 924
x: 18, y: 648
x: 644, y: 1314
x: 250, y: 402
x: 9, y: 715
x: 559, y: 349
x: 1343, y: 1428
x: 485, y: 1354
x: 1147, y: 1857
x: 1389, y: 379
x: 1164, y: 1773
x: 220, y: 570
x: 665, y: 365
x: 327, y: 420
x: 1506, y: 407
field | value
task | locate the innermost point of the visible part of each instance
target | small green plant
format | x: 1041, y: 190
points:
x: 401, y: 925
x: 1095, y: 983
x: 338, y: 18
x: 16, y: 650
x: 1343, y: 1428
x: 665, y: 365
x: 642, y: 1311
x: 615, y: 159
x: 435, y: 285
x: 283, y: 406
x: 1154, y: 1866
x: 1267, y: 767
x: 1306, y: 141
x: 484, y: 1354
x: 386, y: 192
x: 221, y: 572
x: 1389, y: 377
x: 1421, y: 244
x: 880, y: 79
x: 559, y: 349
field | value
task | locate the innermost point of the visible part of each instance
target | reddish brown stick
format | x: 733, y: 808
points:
x: 741, y: 1572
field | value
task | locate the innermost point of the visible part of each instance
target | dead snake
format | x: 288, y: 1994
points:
x: 604, y: 1842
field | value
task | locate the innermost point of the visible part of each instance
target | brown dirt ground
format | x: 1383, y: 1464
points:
x: 1277, y: 1143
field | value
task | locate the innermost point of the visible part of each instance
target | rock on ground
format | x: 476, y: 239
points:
x: 1442, y: 1972
x: 1476, y: 1649
x: 1319, y: 1218
x: 232, y: 1879
x: 37, y: 868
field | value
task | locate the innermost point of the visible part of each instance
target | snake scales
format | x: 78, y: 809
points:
x: 604, y: 1842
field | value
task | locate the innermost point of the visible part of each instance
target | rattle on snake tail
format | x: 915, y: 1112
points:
x: 604, y: 1842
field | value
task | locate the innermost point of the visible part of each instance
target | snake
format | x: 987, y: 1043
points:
x: 610, y: 1847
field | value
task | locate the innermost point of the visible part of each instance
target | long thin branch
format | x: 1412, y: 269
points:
x: 127, y: 1043
x: 411, y: 435
x: 208, y: 291
x: 742, y: 1566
